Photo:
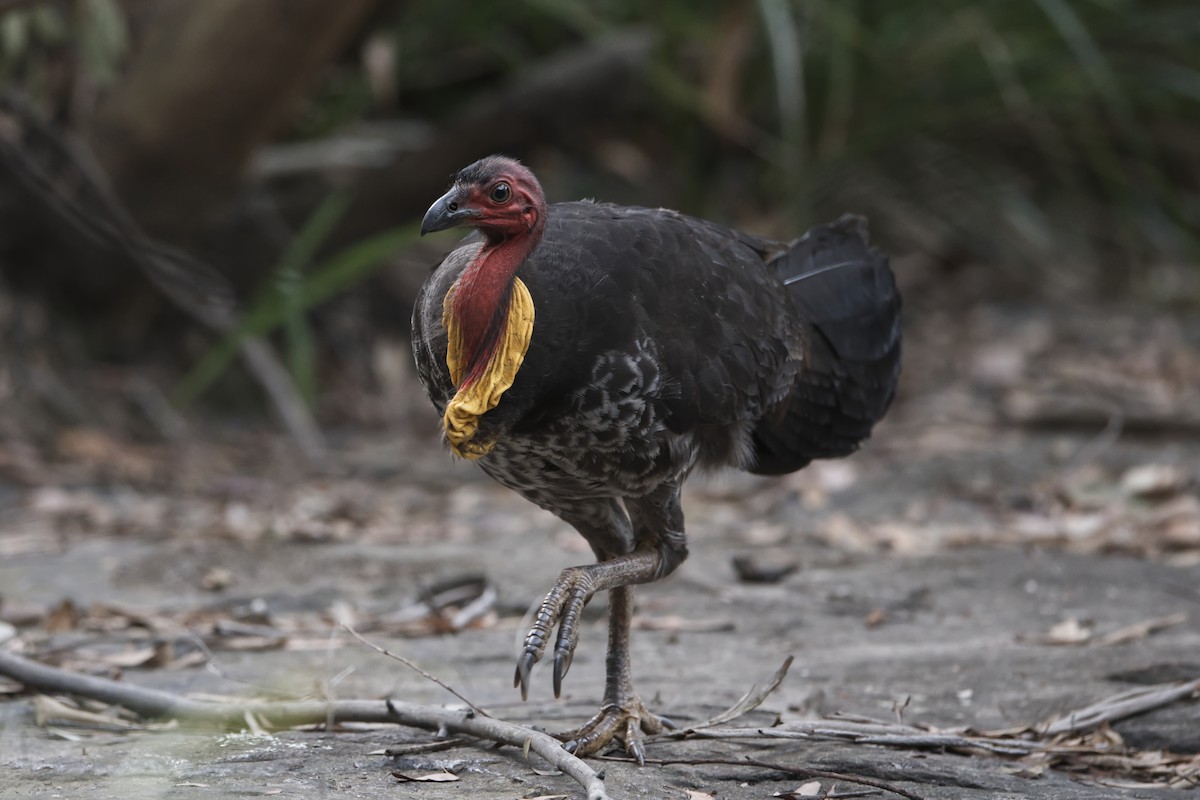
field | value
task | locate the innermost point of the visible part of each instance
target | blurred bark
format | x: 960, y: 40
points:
x: 74, y: 200
x: 212, y: 82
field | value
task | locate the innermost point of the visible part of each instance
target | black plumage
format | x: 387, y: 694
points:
x: 661, y: 342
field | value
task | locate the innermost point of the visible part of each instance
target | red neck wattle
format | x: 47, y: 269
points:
x: 481, y: 299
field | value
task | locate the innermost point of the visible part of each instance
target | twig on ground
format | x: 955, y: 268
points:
x: 1100, y: 443
x: 154, y: 703
x: 751, y: 700
x: 875, y: 732
x: 1040, y: 740
x: 423, y: 748
x: 1126, y: 704
x: 384, y: 651
x: 862, y: 730
x: 799, y: 772
x: 1140, y: 630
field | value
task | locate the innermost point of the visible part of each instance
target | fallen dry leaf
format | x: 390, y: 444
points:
x: 810, y: 789
x: 1140, y: 630
x: 216, y: 579
x: 1154, y: 481
x: 129, y: 657
x: 1069, y: 631
x: 106, y: 454
x: 47, y: 709
x: 1030, y: 771
x: 431, y: 777
x: 63, y: 617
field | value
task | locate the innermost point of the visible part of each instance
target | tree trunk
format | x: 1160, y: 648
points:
x: 212, y: 82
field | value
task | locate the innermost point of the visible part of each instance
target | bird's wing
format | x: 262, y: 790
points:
x: 690, y: 295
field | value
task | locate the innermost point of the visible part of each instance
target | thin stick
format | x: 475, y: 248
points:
x: 799, y: 772
x: 1126, y: 704
x: 751, y: 700
x: 154, y: 703
x: 880, y: 734
x: 384, y: 651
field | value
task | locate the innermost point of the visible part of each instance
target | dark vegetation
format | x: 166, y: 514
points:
x: 280, y: 155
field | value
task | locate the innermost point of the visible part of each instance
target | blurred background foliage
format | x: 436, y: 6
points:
x: 1043, y: 149
x: 1055, y: 133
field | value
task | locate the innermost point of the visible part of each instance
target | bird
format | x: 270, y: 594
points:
x: 592, y: 356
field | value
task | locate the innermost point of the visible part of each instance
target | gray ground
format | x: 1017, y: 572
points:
x: 936, y: 570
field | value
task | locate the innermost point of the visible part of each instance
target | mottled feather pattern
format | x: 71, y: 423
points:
x: 663, y: 341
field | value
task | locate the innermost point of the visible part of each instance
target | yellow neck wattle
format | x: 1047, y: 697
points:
x: 481, y: 395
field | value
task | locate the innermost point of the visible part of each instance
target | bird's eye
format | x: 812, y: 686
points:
x: 500, y: 193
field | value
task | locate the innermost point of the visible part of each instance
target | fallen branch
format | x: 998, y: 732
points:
x: 1043, y: 740
x: 1013, y: 742
x: 154, y: 703
x: 1016, y: 742
x: 798, y: 772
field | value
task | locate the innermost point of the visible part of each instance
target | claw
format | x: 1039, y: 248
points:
x: 524, y: 667
x: 562, y: 663
x: 568, y: 639
x: 636, y: 750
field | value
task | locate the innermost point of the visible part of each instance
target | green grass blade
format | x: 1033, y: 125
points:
x: 337, y: 273
x: 301, y: 352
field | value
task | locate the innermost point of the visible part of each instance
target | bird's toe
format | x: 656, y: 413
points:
x: 628, y: 723
x: 525, y: 664
x: 562, y: 607
x: 562, y: 663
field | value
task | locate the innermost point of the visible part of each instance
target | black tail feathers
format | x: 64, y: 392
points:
x: 845, y: 297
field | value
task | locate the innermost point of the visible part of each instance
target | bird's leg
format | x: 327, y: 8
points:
x: 623, y: 715
x: 655, y: 524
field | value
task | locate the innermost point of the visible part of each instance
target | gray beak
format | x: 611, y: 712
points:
x: 448, y: 212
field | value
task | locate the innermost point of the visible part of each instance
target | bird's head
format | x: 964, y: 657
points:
x: 497, y: 195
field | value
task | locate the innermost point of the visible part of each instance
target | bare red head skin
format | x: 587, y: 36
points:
x: 501, y: 198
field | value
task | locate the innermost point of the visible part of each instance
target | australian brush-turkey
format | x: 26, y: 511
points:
x: 590, y: 356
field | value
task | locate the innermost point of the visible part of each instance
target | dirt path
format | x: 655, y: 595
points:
x: 940, y: 574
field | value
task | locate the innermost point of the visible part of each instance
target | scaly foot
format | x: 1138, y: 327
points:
x: 627, y: 722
